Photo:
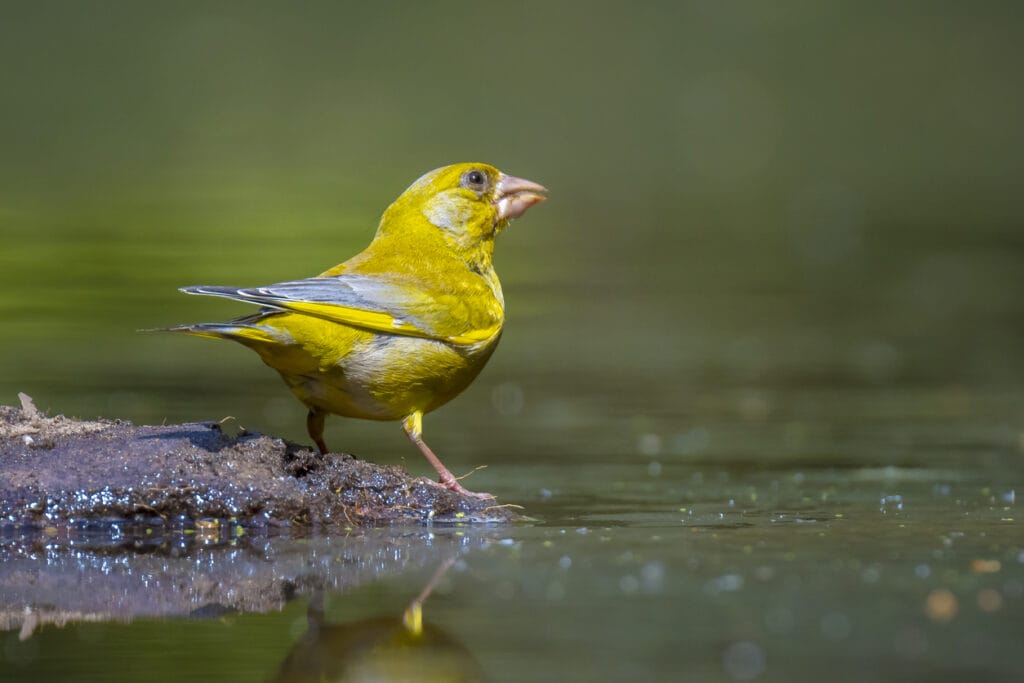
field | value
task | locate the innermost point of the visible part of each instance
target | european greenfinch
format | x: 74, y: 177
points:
x: 404, y: 326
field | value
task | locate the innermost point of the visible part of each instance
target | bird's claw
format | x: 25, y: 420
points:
x: 455, y: 487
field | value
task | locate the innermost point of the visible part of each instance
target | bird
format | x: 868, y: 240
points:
x: 402, y: 327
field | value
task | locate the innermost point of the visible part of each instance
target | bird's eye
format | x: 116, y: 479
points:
x: 474, y: 180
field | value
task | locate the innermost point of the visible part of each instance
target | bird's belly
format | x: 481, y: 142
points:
x: 378, y: 376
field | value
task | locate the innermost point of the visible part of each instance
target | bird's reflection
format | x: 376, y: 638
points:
x: 381, y: 649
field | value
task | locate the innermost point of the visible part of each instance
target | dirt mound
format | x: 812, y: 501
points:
x: 59, y: 470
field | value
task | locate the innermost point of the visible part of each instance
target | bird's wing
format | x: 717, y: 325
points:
x: 373, y: 303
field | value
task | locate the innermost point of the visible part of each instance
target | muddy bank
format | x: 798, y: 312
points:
x: 56, y: 471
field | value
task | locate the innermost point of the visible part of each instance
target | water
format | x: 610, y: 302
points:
x: 683, y: 572
x: 760, y: 389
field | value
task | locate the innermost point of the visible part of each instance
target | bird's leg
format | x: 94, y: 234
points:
x: 413, y: 426
x: 315, y: 427
x: 413, y: 616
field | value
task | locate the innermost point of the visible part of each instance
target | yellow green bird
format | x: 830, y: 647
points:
x: 404, y: 326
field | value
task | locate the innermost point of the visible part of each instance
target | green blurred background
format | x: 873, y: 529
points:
x: 756, y: 208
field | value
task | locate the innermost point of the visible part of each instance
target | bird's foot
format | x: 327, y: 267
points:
x: 454, y: 485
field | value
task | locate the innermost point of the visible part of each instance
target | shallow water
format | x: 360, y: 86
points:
x: 760, y: 388
x: 662, y: 569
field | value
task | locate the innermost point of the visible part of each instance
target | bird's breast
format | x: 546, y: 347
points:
x: 405, y: 374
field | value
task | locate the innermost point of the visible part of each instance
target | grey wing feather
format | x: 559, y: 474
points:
x: 351, y: 291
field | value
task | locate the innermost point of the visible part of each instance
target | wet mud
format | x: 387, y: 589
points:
x: 58, y: 473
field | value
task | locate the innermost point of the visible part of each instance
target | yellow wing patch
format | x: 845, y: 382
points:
x: 383, y: 322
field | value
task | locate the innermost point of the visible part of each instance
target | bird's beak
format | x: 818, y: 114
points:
x: 514, y: 196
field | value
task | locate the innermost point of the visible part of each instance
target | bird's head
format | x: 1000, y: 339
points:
x: 469, y: 202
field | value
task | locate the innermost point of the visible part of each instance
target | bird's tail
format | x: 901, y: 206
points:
x: 247, y: 329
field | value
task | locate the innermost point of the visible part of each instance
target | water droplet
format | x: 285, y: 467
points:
x: 649, y: 444
x: 508, y: 398
x: 727, y: 583
x: 653, y: 574
x: 989, y: 600
x: 744, y: 660
x: 871, y: 574
x: 941, y: 605
x: 629, y: 584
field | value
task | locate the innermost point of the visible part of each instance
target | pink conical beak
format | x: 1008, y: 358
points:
x: 515, y: 195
